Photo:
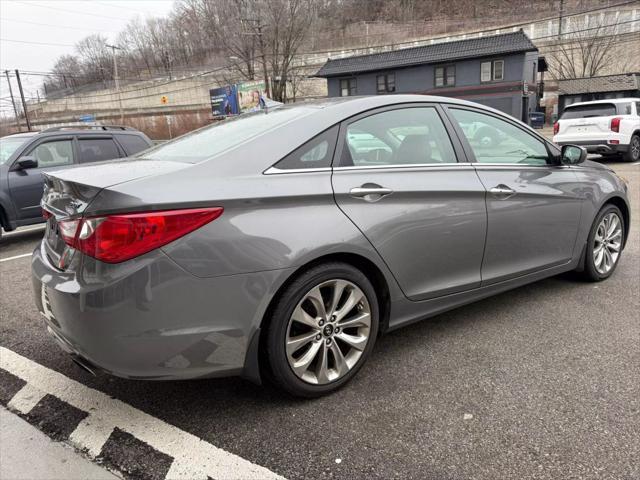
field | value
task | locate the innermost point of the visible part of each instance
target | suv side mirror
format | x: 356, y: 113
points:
x: 573, y: 155
x: 26, y: 162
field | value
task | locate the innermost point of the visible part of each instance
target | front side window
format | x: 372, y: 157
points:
x: 407, y: 136
x: 445, y: 76
x: 316, y: 153
x: 53, y: 154
x: 347, y: 87
x: 497, y: 141
x: 97, y: 149
x: 386, y: 83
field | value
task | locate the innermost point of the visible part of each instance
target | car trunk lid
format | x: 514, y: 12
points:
x: 68, y: 194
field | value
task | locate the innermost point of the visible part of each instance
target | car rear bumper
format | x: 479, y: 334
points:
x: 149, y: 319
x: 597, y: 146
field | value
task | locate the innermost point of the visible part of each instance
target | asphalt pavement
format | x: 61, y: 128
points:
x: 541, y: 382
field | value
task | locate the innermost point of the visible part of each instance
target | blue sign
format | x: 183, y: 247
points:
x: 224, y: 101
x: 87, y: 117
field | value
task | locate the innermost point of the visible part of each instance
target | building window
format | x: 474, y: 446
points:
x: 492, y: 70
x: 445, y: 76
x: 386, y: 83
x: 347, y: 87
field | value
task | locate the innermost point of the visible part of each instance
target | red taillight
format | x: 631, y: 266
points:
x: 116, y: 238
x: 46, y: 214
x: 556, y: 128
x: 615, y: 124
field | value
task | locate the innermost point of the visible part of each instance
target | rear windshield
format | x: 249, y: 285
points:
x: 586, y: 111
x: 10, y: 145
x: 215, y: 139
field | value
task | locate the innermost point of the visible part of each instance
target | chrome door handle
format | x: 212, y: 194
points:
x: 502, y: 191
x: 370, y: 193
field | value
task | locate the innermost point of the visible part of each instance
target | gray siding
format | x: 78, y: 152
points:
x: 420, y: 79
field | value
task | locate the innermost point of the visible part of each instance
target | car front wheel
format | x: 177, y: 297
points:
x: 604, y: 244
x: 322, y: 329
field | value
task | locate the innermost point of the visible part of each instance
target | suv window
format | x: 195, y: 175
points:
x: 132, y: 144
x: 53, y: 153
x: 497, y: 141
x: 96, y: 149
x: 405, y: 136
x: 586, y: 111
x: 316, y: 153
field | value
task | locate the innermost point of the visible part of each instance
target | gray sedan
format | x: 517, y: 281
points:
x: 281, y: 244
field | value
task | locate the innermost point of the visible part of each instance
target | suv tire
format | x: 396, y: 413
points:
x: 633, y: 152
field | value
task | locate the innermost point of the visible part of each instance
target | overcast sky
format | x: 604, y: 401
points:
x: 55, y: 25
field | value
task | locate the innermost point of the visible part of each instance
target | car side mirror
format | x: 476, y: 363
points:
x: 572, y: 155
x: 26, y: 162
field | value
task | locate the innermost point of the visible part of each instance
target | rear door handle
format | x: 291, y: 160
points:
x: 370, y: 193
x: 502, y: 191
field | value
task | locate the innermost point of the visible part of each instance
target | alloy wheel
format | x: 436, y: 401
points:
x: 328, y: 331
x: 635, y: 148
x: 607, y: 243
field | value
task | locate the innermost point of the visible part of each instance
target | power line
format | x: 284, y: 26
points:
x: 66, y: 27
x: 38, y: 43
x: 70, y: 11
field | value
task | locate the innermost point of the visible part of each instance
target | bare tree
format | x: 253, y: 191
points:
x: 586, y: 50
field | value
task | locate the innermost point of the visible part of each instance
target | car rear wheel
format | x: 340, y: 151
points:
x: 633, y: 153
x: 322, y: 329
x: 604, y: 244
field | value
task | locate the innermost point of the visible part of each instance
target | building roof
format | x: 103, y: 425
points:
x: 606, y: 83
x: 435, y: 53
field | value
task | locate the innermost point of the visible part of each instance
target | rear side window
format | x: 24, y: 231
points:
x: 132, y: 144
x: 97, y: 149
x: 316, y: 153
x: 586, y: 111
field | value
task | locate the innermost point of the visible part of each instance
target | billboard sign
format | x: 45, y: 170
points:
x: 251, y: 95
x: 224, y: 101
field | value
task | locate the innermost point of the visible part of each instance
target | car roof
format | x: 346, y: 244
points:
x: 22, y: 135
x: 606, y: 100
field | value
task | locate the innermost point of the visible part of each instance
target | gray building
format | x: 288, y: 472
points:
x: 499, y: 71
x: 597, y: 88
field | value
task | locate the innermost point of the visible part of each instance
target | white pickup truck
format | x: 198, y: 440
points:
x: 607, y: 127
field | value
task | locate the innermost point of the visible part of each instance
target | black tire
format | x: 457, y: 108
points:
x: 280, y: 371
x: 633, y: 153
x: 589, y: 271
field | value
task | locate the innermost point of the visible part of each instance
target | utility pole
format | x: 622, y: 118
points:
x: 560, y: 19
x: 259, y: 27
x: 116, y: 80
x: 24, y: 103
x: 13, y: 102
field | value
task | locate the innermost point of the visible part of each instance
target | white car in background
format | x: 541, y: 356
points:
x: 607, y: 127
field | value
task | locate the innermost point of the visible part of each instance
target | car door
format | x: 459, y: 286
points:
x: 533, y: 203
x: 96, y: 148
x: 26, y: 185
x: 405, y: 183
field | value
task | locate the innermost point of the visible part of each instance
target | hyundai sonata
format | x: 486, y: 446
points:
x: 285, y: 242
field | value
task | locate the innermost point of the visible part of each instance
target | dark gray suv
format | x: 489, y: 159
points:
x: 25, y: 156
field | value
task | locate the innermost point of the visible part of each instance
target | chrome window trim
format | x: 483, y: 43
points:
x: 517, y: 165
x: 278, y: 171
x: 407, y: 166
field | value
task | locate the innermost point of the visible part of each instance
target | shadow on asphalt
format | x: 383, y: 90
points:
x: 18, y: 236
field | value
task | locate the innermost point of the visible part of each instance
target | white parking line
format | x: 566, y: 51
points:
x: 16, y: 257
x: 193, y: 458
